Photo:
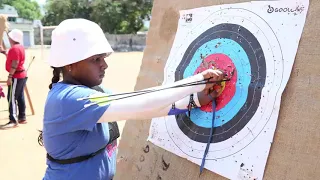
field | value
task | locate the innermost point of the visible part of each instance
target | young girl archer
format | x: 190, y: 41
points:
x: 79, y: 125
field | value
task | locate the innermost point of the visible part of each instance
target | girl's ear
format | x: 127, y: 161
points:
x: 67, y: 68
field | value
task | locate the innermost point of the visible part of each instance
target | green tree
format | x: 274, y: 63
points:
x: 108, y: 15
x: 121, y: 17
x: 114, y: 16
x: 26, y: 9
x: 59, y: 10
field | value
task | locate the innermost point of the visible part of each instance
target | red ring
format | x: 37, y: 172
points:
x: 222, y: 62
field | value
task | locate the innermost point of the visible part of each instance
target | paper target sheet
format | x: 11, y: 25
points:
x: 255, y: 41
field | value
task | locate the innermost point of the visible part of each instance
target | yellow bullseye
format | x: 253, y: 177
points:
x: 222, y: 84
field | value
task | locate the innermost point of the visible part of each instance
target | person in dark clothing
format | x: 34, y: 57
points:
x: 16, y: 79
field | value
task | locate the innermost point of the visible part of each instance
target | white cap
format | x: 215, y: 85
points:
x: 16, y: 35
x: 74, y: 40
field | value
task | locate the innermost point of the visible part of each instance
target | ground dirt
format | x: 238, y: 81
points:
x: 20, y: 155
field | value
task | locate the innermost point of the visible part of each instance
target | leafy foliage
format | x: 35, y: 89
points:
x: 114, y: 16
x: 59, y: 10
x: 27, y: 9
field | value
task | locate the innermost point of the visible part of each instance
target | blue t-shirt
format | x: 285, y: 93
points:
x: 70, y: 129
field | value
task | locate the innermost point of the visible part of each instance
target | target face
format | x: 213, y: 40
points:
x: 227, y: 47
x: 243, y: 41
x: 237, y: 45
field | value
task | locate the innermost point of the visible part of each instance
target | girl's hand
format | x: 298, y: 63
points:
x: 215, y: 75
x: 206, y: 99
x: 9, y: 81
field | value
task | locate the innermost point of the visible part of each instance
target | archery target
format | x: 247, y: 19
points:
x: 243, y: 44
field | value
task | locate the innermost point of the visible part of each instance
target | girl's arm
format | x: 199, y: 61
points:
x: 153, y: 104
x: 178, y: 107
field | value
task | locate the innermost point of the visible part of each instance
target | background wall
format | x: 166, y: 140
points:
x: 296, y: 148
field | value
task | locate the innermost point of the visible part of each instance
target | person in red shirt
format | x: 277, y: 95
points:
x: 16, y: 79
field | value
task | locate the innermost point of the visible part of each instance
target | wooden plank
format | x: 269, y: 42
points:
x: 3, y: 27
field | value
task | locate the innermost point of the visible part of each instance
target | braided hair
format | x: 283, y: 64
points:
x: 55, y: 79
x: 56, y: 76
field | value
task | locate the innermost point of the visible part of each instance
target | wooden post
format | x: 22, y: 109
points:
x: 29, y: 99
x: 3, y: 27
